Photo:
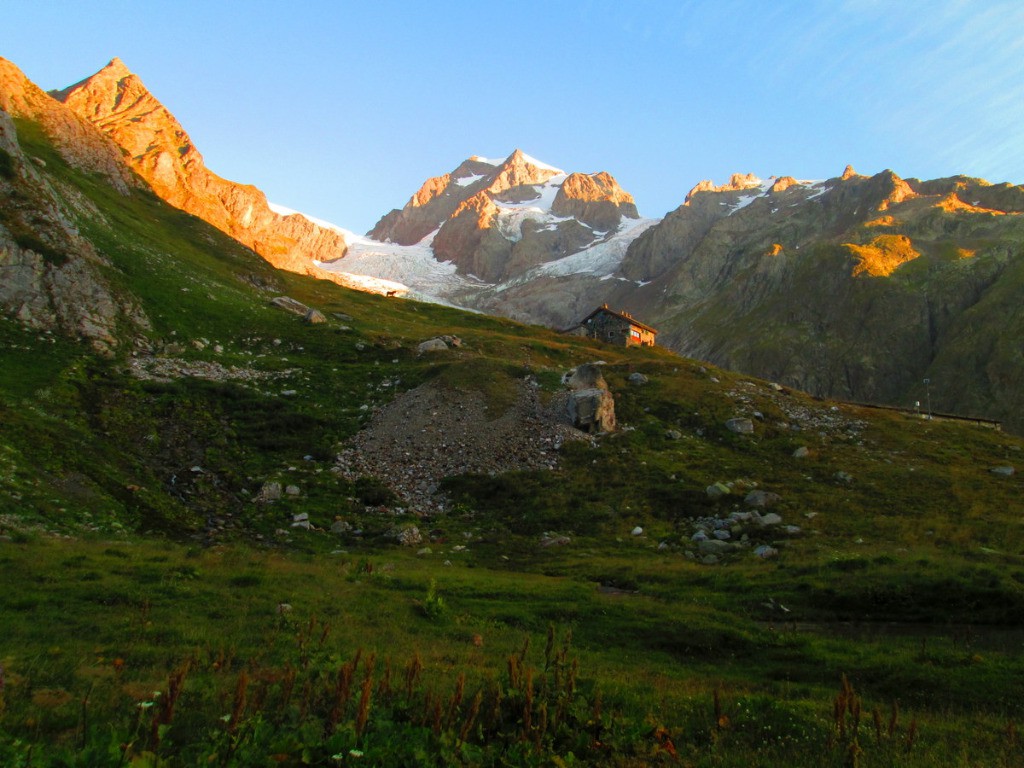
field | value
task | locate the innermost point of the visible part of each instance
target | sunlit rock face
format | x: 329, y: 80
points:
x: 158, y: 148
x: 496, y: 219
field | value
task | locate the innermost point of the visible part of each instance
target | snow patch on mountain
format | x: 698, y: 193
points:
x: 600, y: 259
x: 764, y: 188
x: 541, y: 164
x: 412, y: 267
x: 511, y: 216
x: 281, y: 210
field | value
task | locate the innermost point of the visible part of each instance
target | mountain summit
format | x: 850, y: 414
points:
x: 495, y: 219
x: 158, y: 148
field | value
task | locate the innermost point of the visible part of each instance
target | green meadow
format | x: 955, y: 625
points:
x: 153, y: 614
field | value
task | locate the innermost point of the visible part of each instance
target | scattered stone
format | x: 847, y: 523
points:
x: 452, y: 341
x: 740, y: 426
x: 801, y: 452
x: 269, y: 492
x: 765, y: 552
x: 770, y: 519
x: 314, y: 317
x: 292, y: 490
x: 843, y: 477
x: 340, y: 526
x: 410, y: 537
x: 424, y: 551
x: 714, y: 547
x: 289, y: 304
x: 638, y: 379
x: 673, y: 434
x: 709, y: 560
x: 431, y: 345
x: 301, y: 520
x: 638, y: 531
x: 792, y: 530
x: 718, y: 490
x: 761, y: 499
x: 721, y: 534
x: 548, y: 540
x: 662, y: 546
x: 1006, y: 471
x: 283, y: 608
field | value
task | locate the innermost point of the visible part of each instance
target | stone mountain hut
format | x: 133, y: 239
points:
x: 613, y: 327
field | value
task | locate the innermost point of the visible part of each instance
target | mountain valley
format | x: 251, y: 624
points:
x: 250, y: 515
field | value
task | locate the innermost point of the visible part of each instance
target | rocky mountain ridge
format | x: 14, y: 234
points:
x: 158, y: 149
x: 857, y: 287
x: 496, y: 219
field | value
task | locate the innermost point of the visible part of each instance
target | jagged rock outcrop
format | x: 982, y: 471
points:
x: 50, y: 276
x: 595, y: 199
x: 157, y: 147
x: 77, y: 141
x: 737, y: 183
x: 435, y: 202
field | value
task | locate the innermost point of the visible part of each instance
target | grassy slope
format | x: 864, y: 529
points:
x: 924, y: 536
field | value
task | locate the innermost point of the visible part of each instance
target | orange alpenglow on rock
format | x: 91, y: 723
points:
x: 157, y: 147
x: 737, y: 183
x: 882, y: 256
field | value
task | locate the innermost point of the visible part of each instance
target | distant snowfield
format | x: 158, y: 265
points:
x: 413, y: 271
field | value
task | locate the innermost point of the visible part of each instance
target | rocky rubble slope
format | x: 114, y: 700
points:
x: 433, y: 432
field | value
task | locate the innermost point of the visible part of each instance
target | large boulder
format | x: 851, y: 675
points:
x: 592, y: 410
x: 288, y: 304
x: 586, y: 376
x: 590, y: 406
x: 431, y: 345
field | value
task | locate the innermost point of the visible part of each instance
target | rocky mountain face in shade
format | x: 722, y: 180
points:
x: 51, y: 276
x: 856, y: 287
x: 158, y: 148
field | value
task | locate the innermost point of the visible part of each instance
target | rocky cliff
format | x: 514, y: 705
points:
x: 157, y: 147
x: 51, y: 277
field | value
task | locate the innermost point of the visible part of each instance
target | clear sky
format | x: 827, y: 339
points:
x: 342, y: 109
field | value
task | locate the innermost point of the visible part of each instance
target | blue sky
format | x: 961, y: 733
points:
x: 342, y: 109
